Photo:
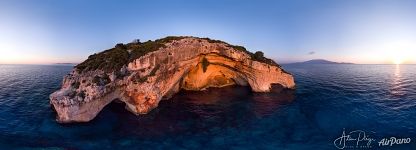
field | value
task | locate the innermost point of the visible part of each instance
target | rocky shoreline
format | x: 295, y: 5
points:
x: 149, y: 75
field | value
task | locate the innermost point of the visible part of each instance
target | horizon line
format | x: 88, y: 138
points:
x: 74, y: 64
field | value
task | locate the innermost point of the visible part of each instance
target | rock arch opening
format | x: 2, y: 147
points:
x: 212, y: 73
x: 158, y: 73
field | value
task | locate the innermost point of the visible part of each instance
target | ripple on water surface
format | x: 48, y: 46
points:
x: 328, y: 99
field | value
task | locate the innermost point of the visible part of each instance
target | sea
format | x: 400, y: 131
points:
x: 334, y: 106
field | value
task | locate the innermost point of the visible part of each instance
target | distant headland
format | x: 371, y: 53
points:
x: 320, y: 61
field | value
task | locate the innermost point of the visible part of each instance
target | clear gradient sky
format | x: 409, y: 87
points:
x: 359, y: 31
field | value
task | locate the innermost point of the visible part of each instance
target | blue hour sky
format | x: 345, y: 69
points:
x: 359, y: 31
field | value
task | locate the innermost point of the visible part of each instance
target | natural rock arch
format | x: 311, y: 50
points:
x: 185, y: 63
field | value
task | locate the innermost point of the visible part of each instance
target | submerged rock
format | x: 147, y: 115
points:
x: 142, y: 74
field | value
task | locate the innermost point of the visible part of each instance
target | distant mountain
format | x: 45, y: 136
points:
x: 320, y: 61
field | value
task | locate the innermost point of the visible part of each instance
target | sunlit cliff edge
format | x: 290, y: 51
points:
x: 142, y: 74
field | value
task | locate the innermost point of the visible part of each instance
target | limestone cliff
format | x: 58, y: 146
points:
x: 142, y: 74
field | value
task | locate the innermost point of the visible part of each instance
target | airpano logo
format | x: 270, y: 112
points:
x: 393, y: 141
x: 359, y: 139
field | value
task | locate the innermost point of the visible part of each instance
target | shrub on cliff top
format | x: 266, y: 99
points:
x: 101, y: 81
x: 75, y: 85
x: 108, y: 60
x: 214, y: 41
x: 115, y: 58
x: 259, y: 56
x: 120, y: 46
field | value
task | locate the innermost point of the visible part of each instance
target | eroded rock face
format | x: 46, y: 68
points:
x: 188, y: 63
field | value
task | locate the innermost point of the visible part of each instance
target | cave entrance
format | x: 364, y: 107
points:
x: 208, y: 75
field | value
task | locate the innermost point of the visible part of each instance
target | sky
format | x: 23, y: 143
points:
x: 358, y: 31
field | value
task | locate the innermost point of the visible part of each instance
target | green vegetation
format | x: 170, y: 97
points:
x: 72, y: 94
x: 120, y: 46
x: 96, y: 80
x: 205, y: 64
x: 101, y: 81
x: 214, y: 41
x: 137, y: 79
x: 106, y: 79
x: 109, y: 60
x: 75, y: 85
x: 140, y: 49
x: 240, y: 48
x: 81, y: 94
x: 141, y: 80
x: 120, y: 75
x: 259, y: 56
x: 113, y: 59
x: 153, y: 72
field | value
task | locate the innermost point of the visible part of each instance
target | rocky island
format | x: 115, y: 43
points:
x: 141, y: 74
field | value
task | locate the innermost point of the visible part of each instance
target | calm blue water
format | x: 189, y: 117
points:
x: 378, y: 99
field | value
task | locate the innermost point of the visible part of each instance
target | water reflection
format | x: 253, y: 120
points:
x: 397, y: 88
x: 266, y: 103
x: 191, y: 111
x: 225, y: 99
